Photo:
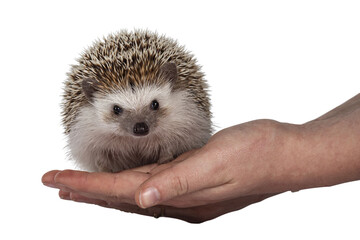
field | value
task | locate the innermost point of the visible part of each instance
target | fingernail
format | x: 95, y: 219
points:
x: 149, y: 197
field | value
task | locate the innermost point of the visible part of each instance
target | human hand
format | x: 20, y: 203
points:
x: 261, y: 158
x: 85, y: 188
x: 209, y: 174
x: 239, y: 166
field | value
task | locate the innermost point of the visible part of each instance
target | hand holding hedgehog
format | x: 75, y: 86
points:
x: 238, y: 166
x: 134, y: 99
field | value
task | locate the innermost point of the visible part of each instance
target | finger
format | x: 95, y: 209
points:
x: 118, y: 185
x: 193, y: 214
x: 190, y: 175
x: 126, y: 207
x: 64, y: 195
x: 76, y: 197
x: 48, y: 178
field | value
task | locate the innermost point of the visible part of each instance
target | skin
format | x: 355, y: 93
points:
x: 239, y: 166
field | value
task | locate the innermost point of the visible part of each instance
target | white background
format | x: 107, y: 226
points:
x: 286, y: 60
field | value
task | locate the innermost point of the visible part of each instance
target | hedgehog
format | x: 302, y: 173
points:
x: 132, y: 99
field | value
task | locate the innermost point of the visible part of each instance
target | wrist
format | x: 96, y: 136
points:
x: 298, y: 170
x: 318, y: 154
x: 286, y: 167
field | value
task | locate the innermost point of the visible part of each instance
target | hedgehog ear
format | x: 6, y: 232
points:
x: 89, y: 88
x: 168, y: 71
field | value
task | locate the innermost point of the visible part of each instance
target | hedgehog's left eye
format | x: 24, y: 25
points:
x: 154, y: 105
x: 117, y: 110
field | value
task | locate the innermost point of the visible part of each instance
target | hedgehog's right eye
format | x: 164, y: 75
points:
x: 154, y: 105
x: 117, y: 110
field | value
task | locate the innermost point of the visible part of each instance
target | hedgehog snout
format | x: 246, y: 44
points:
x: 140, y: 129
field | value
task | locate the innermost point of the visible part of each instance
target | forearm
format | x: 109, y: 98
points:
x: 347, y: 107
x: 323, y: 152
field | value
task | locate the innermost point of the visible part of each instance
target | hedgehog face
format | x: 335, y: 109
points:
x: 134, y: 111
x: 149, y: 109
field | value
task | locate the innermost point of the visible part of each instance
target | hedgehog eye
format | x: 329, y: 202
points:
x: 117, y: 110
x: 154, y: 105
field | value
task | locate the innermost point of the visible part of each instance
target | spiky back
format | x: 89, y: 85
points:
x: 129, y: 59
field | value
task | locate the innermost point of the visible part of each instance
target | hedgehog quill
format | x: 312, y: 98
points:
x: 134, y: 98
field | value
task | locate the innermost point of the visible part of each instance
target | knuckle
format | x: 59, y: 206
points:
x: 113, y: 190
x: 181, y: 185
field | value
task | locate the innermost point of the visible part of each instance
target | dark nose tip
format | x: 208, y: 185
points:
x: 141, y: 129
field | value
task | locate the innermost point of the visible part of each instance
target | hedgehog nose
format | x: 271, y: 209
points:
x: 141, y: 129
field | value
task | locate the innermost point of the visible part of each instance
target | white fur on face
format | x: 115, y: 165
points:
x: 135, y: 101
x: 137, y: 98
x: 183, y: 126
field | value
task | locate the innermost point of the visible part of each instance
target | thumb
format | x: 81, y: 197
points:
x: 191, y: 175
